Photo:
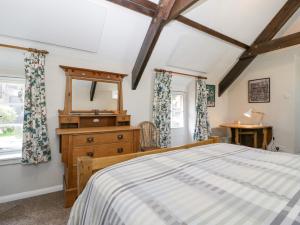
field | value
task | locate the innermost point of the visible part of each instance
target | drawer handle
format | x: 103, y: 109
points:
x: 90, y: 154
x: 120, y: 136
x: 120, y: 150
x: 96, y: 120
x: 90, y: 140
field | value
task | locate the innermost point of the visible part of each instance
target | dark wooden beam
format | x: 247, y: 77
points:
x: 140, y: 5
x: 286, y: 12
x: 179, y: 7
x: 234, y: 73
x: 93, y: 89
x: 211, y: 32
x: 145, y: 7
x: 275, y: 44
x: 150, y: 40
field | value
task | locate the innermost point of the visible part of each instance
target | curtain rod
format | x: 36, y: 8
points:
x: 24, y: 49
x: 182, y: 74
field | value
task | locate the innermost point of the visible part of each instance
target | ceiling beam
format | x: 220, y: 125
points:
x: 167, y: 10
x: 140, y: 5
x: 150, y: 40
x: 151, y: 9
x: 179, y: 7
x: 275, y: 44
x: 286, y: 12
x: 210, y: 31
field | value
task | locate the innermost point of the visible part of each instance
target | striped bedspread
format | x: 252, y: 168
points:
x: 214, y: 184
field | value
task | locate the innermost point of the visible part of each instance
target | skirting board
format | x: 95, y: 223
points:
x: 28, y: 194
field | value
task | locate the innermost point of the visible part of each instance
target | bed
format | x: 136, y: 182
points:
x: 208, y: 184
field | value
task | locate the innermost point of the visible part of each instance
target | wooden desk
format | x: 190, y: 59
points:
x: 237, y: 129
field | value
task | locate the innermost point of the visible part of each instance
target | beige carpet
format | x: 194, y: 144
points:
x: 42, y: 210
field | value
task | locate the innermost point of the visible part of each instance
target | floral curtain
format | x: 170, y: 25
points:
x: 36, y: 147
x: 162, y: 107
x: 202, y: 128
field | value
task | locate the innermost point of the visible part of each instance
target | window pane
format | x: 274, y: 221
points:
x: 11, y: 117
x: 177, y: 112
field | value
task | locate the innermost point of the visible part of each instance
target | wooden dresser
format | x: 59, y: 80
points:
x: 95, y: 132
x: 93, y: 142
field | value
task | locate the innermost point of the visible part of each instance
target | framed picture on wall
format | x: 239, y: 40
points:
x: 259, y: 91
x: 211, y: 95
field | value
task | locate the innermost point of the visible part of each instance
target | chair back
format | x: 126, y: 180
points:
x: 149, y: 136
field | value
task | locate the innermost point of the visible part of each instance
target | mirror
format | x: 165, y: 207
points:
x: 90, y: 95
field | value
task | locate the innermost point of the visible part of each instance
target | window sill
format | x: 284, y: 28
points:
x: 10, y: 160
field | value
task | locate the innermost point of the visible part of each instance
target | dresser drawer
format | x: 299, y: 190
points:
x: 95, y: 139
x: 123, y: 118
x: 69, y: 119
x: 103, y: 150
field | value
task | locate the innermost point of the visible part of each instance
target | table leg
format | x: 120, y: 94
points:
x: 255, y: 139
x: 265, y: 134
x: 237, y: 136
x: 229, y: 134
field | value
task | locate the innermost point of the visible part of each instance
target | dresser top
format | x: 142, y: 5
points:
x: 88, y: 130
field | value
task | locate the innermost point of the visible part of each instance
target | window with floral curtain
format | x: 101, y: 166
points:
x: 36, y: 147
x: 202, y: 127
x: 162, y: 107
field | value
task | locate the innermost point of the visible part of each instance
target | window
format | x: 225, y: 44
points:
x: 177, y: 110
x: 11, y: 117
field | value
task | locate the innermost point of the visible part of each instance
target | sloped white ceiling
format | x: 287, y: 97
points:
x: 192, y: 53
x: 123, y: 31
x: 291, y: 27
x: 240, y: 19
x: 70, y: 23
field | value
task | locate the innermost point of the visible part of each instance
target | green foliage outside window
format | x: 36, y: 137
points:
x: 7, y: 114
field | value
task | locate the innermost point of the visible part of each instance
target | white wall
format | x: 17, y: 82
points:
x: 281, y: 67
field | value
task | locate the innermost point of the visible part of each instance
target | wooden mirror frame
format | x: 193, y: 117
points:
x: 74, y: 73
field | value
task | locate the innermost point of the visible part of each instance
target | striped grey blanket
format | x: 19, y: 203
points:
x: 214, y: 184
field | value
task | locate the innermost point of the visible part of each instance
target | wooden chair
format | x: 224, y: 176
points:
x: 149, y: 138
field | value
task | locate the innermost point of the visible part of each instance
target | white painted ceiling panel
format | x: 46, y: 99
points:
x: 243, y: 20
x: 291, y: 27
x: 198, y: 52
x: 71, y: 23
x: 117, y: 40
x: 123, y: 33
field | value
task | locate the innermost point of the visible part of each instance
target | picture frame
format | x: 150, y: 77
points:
x: 211, y: 95
x: 259, y: 90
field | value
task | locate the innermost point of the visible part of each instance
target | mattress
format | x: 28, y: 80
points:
x: 220, y: 184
